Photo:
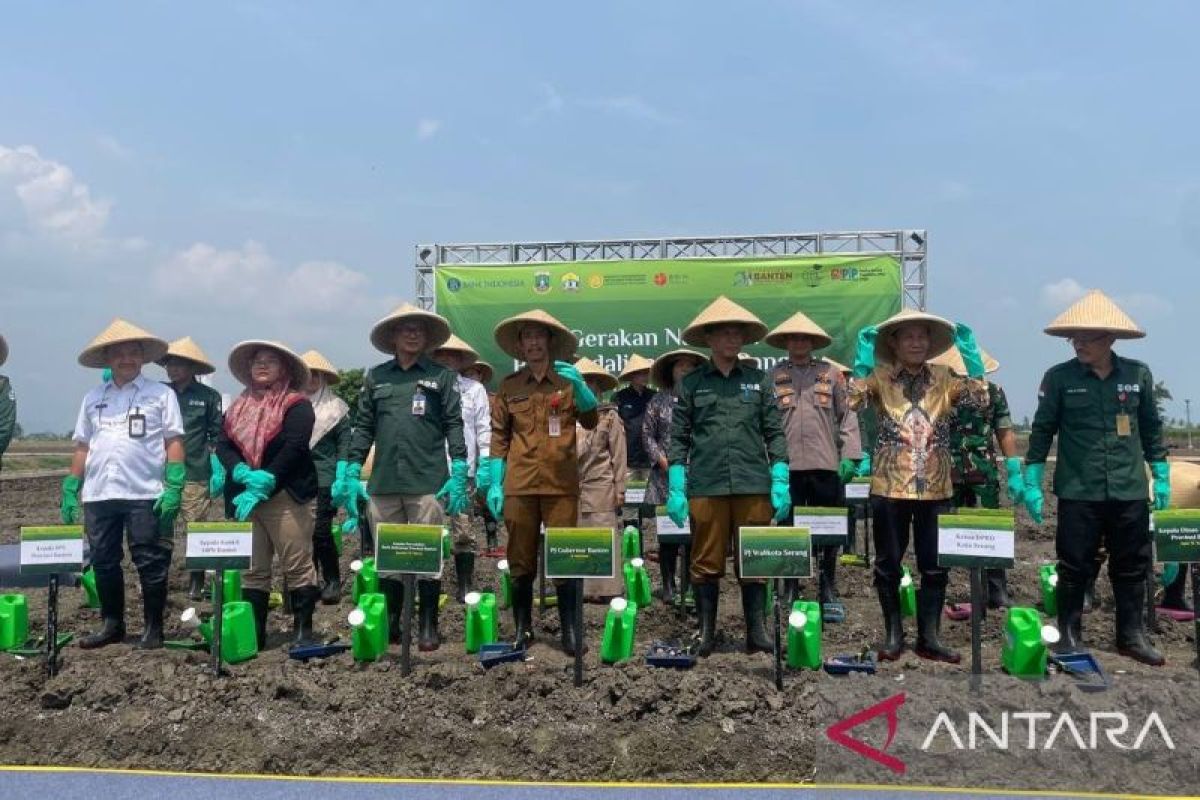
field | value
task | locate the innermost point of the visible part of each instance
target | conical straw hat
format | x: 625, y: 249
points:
x: 635, y: 363
x: 319, y: 363
x: 459, y: 346
x: 3, y: 351
x: 941, y: 333
x: 188, y: 350
x: 382, y: 336
x: 488, y: 372
x: 562, y: 341
x: 1185, y: 484
x: 747, y: 360
x: 118, y: 332
x: 798, y: 323
x: 660, y: 373
x: 723, y: 311
x: 587, y: 367
x: 954, y: 360
x: 239, y: 361
x: 1095, y: 312
x: 842, y: 368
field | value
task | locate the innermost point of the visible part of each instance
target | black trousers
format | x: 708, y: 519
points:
x: 1122, y: 526
x: 108, y: 522
x: 323, y: 523
x: 815, y: 487
x: 893, y: 522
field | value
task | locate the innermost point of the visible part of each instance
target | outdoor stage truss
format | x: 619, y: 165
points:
x: 910, y: 247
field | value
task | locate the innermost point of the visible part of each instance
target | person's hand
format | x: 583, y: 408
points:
x: 846, y: 470
x: 584, y: 399
x: 495, y: 495
x: 677, y: 504
x: 781, y: 495
x: 168, y: 503
x: 454, y: 490
x: 68, y: 507
x: 964, y: 340
x: 338, y: 489
x: 245, y: 503
x: 1161, y: 470
x: 864, y: 467
x: 620, y: 500
x: 1016, y: 481
x: 663, y: 464
x: 216, y: 483
x: 259, y: 480
x: 864, y: 354
x: 483, y: 476
x: 1034, y: 499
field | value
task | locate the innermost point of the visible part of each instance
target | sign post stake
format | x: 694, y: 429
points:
x: 1196, y: 605
x: 218, y: 619
x: 52, y: 627
x: 410, y: 589
x: 778, y: 636
x: 977, y: 604
x: 577, y: 612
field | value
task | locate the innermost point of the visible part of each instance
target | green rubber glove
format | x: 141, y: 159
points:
x: 584, y: 399
x: 338, y: 489
x: 1016, y: 481
x: 69, y: 508
x: 846, y: 470
x: 1170, y: 573
x: 483, y: 476
x: 781, y: 492
x: 454, y: 490
x: 259, y: 480
x: 864, y: 355
x: 1161, y: 471
x: 354, y: 494
x: 495, y: 495
x: 864, y: 467
x: 677, y: 504
x: 106, y: 375
x: 245, y: 502
x: 167, y: 504
x: 964, y: 340
x: 1034, y: 499
x: 216, y: 483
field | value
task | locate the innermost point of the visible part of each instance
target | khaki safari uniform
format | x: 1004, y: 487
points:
x: 602, y: 461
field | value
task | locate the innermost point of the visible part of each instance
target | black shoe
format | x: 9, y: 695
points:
x: 997, y: 589
x: 1174, y: 597
x: 827, y: 589
x: 668, y: 558
x: 260, y: 601
x: 464, y: 572
x: 929, y: 623
x: 754, y: 597
x: 522, y: 597
x: 154, y: 602
x: 393, y: 592
x: 430, y: 593
x: 304, y: 602
x: 569, y: 635
x: 893, y: 624
x: 110, y: 586
x: 1132, y: 641
x: 1070, y: 597
x: 707, y: 598
x: 196, y: 585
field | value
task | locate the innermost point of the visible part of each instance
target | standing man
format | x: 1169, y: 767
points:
x: 483, y: 372
x: 200, y: 407
x: 8, y: 403
x: 975, y: 474
x: 631, y: 403
x: 329, y: 444
x: 410, y: 410
x: 456, y: 355
x: 1101, y: 407
x: 728, y: 462
x: 535, y: 471
x: 129, y: 461
x: 811, y: 395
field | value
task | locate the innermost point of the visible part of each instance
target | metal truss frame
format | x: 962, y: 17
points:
x: 909, y: 246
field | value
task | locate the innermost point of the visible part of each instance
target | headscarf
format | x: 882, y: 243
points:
x: 256, y: 417
x: 329, y: 410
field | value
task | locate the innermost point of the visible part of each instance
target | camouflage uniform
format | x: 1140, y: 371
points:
x: 975, y: 474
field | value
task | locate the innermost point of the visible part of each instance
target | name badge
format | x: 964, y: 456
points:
x: 418, y: 404
x: 555, y: 425
x: 137, y: 425
x: 1123, y: 426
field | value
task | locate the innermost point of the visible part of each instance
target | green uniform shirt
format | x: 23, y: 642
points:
x: 331, y: 449
x: 8, y: 413
x: 727, y: 431
x: 200, y: 407
x: 973, y: 446
x: 1095, y: 462
x: 410, y: 415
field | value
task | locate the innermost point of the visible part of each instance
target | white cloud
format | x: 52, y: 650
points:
x: 630, y: 106
x: 56, y: 204
x: 428, y: 128
x: 113, y: 148
x: 1060, y: 294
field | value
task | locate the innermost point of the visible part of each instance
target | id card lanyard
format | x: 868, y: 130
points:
x: 135, y: 420
x: 1124, y: 427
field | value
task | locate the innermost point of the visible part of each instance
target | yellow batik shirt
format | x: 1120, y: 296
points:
x: 916, y: 415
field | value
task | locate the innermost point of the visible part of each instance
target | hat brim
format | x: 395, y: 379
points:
x: 3, y: 351
x: 941, y: 336
x: 1067, y: 331
x: 779, y: 340
x: 562, y: 342
x: 607, y: 382
x: 383, y: 336
x: 200, y: 367
x: 660, y: 372
x: 153, y: 350
x: 484, y: 367
x: 697, y: 335
x: 240, y: 355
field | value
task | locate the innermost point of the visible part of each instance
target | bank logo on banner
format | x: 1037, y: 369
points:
x: 454, y: 284
x: 541, y: 282
x: 570, y: 282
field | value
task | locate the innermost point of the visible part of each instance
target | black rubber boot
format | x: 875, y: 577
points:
x: 490, y: 531
x: 154, y: 602
x: 304, y: 602
x: 196, y: 585
x: 430, y: 593
x: 827, y: 591
x: 997, y: 589
x: 569, y: 636
x: 893, y: 624
x: 1132, y: 641
x: 326, y: 559
x: 754, y: 596
x: 111, y: 589
x: 1173, y: 596
x: 464, y: 572
x: 393, y: 592
x: 929, y: 623
x: 260, y: 601
x: 668, y: 558
x: 286, y: 593
x: 1089, y: 591
x: 707, y: 598
x: 791, y: 593
x: 1070, y: 616
x: 522, y: 596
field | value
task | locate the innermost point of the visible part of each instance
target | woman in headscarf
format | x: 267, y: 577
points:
x: 330, y: 442
x: 264, y: 445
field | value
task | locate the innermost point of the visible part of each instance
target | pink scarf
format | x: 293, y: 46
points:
x: 256, y: 417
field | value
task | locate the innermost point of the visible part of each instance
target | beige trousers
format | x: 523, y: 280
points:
x: 282, y: 527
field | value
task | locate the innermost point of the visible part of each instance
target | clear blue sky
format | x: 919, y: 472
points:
x: 262, y: 169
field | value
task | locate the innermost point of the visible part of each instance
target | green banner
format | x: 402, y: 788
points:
x: 976, y: 540
x: 413, y: 549
x: 580, y: 553
x: 1177, y: 536
x: 775, y: 552
x: 621, y: 307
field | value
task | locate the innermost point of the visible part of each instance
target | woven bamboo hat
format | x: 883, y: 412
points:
x: 1185, y: 484
x: 1095, y: 312
x: 118, y: 332
x: 941, y: 333
x: 747, y: 360
x: 188, y: 350
x: 954, y: 360
x: 723, y: 311
x: 588, y: 368
x: 562, y: 341
x: 842, y: 368
x: 239, y: 361
x: 3, y: 351
x: 660, y: 373
x: 459, y: 346
x: 383, y: 334
x: 485, y: 369
x: 798, y: 323
x: 635, y: 363
x: 319, y: 363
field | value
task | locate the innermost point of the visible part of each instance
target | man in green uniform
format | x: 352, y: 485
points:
x: 330, y: 441
x: 1101, y: 407
x: 200, y: 406
x: 410, y: 410
x: 8, y: 403
x: 728, y: 462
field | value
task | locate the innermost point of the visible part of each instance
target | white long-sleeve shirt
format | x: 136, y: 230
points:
x: 477, y: 421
